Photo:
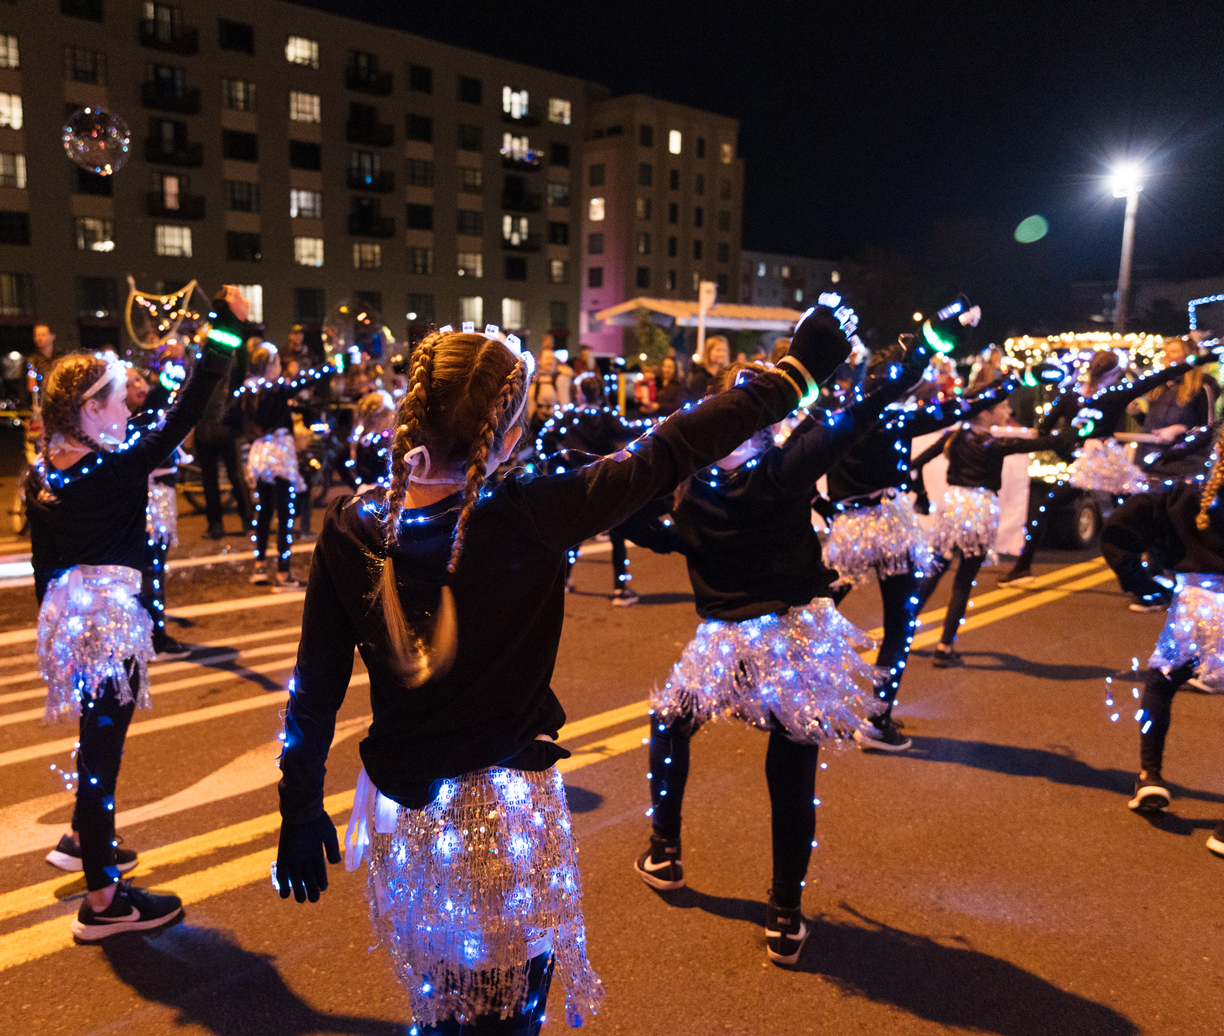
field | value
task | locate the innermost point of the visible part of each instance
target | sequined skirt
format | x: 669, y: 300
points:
x: 1195, y: 629
x: 91, y: 629
x: 1103, y: 465
x: 469, y: 889
x: 161, y: 515
x: 274, y: 456
x: 801, y: 670
x: 886, y: 538
x: 967, y: 518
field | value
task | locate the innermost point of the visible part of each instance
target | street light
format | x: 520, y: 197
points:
x: 1126, y: 182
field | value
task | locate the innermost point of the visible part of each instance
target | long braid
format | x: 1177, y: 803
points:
x: 1203, y: 518
x: 411, y: 428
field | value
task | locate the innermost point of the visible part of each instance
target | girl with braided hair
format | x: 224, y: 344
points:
x: 454, y: 594
x: 1184, y: 527
x: 87, y: 502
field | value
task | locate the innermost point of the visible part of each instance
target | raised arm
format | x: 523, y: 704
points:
x: 937, y: 416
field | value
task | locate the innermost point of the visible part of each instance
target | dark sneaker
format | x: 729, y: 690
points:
x: 260, y: 579
x: 1148, y: 603
x: 216, y: 531
x: 660, y: 866
x: 1151, y: 796
x: 884, y: 736
x: 132, y: 910
x: 785, y: 933
x: 1215, y: 841
x: 67, y: 856
x: 942, y: 659
x: 286, y: 586
x: 1017, y: 577
x: 168, y: 649
x: 624, y: 598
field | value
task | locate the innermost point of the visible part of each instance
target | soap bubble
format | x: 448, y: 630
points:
x: 97, y: 140
x: 352, y: 327
x: 1032, y: 229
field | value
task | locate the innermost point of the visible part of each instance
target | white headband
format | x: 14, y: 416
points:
x: 116, y: 371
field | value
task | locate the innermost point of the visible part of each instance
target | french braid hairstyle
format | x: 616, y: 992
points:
x: 1214, y: 481
x: 63, y: 395
x: 465, y: 393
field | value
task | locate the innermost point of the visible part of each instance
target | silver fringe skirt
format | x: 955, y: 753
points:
x: 91, y: 629
x: 886, y: 538
x: 469, y: 889
x: 274, y: 456
x: 801, y: 670
x: 1103, y: 465
x: 967, y: 518
x: 1195, y: 629
x: 161, y: 515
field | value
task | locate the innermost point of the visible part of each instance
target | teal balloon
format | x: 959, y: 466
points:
x: 1032, y: 229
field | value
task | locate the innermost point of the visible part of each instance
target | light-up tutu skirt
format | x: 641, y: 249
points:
x: 91, y: 629
x: 1195, y: 629
x: 885, y: 538
x: 800, y: 671
x: 1103, y: 464
x: 967, y: 518
x: 161, y: 515
x: 469, y: 889
x: 274, y: 456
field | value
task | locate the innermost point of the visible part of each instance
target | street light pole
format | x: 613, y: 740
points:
x: 1126, y: 184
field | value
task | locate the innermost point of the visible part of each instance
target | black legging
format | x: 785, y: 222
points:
x: 790, y: 772
x: 1043, y: 498
x: 153, y: 590
x: 1157, y: 709
x: 283, y: 496
x: 104, y: 724
x: 210, y: 453
x: 526, y: 1022
x: 962, y: 588
x: 901, y: 603
x: 646, y: 529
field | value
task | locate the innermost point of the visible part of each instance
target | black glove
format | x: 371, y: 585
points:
x: 818, y: 347
x: 299, y: 857
x: 917, y: 359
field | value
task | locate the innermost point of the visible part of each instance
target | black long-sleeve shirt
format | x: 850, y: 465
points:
x: 1107, y: 408
x: 880, y: 460
x: 509, y: 592
x: 1166, y: 523
x: 99, y: 518
x: 975, y: 458
x: 589, y: 429
x: 264, y: 405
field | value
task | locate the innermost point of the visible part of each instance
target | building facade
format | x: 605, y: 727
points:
x: 661, y: 207
x: 769, y: 279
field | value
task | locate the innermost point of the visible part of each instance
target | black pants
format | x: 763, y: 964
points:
x: 1130, y: 549
x: 1044, y: 497
x: 104, y: 725
x: 209, y: 455
x: 646, y: 529
x: 281, y: 497
x: 522, y: 1023
x: 1157, y: 710
x: 790, y: 772
x: 153, y: 590
x: 962, y: 588
x: 901, y: 603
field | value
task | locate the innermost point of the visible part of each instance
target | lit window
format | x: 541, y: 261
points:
x: 238, y: 95
x: 514, y: 229
x: 420, y: 260
x: 301, y: 51
x: 10, y: 57
x: 835, y: 276
x: 308, y: 251
x: 305, y: 204
x: 171, y: 240
x: 696, y: 281
x: 12, y: 170
x: 558, y: 271
x: 519, y: 149
x: 673, y: 142
x: 366, y: 255
x: 558, y: 111
x: 728, y: 154
x: 253, y: 293
x: 471, y: 181
x: 643, y: 208
x: 643, y: 244
x: 471, y: 264
x: 96, y: 235
x: 760, y: 269
x: 514, y: 102
x: 471, y: 309
x: 303, y: 107
x: 798, y: 294
x: 596, y: 210
x: 786, y: 271
x: 10, y: 111
x: 172, y: 190
x: 512, y: 314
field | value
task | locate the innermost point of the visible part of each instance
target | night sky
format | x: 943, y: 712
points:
x: 923, y: 129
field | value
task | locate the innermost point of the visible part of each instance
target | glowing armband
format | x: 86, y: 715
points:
x: 226, y: 339
x: 941, y: 345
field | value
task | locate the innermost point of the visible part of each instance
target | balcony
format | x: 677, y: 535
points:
x: 379, y: 183
x: 372, y: 134
x: 378, y: 83
x: 530, y: 243
x: 363, y: 225
x: 531, y: 117
x: 522, y: 162
x: 190, y: 206
x: 191, y: 156
x: 185, y: 102
x: 522, y: 201
x: 171, y: 38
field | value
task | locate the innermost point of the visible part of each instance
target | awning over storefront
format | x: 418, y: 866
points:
x: 673, y: 312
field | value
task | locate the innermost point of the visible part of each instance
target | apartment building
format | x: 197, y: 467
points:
x: 661, y: 207
x: 769, y: 279
x: 310, y: 157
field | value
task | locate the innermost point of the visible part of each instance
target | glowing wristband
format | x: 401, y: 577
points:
x: 813, y: 387
x: 224, y: 338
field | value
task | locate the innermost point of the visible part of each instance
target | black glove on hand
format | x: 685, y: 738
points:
x: 299, y: 857
x: 917, y: 359
x: 818, y: 347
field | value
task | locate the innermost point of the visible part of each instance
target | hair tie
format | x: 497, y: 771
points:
x: 418, y: 457
x: 116, y: 371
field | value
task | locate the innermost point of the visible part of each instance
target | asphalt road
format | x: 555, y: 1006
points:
x: 990, y: 880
